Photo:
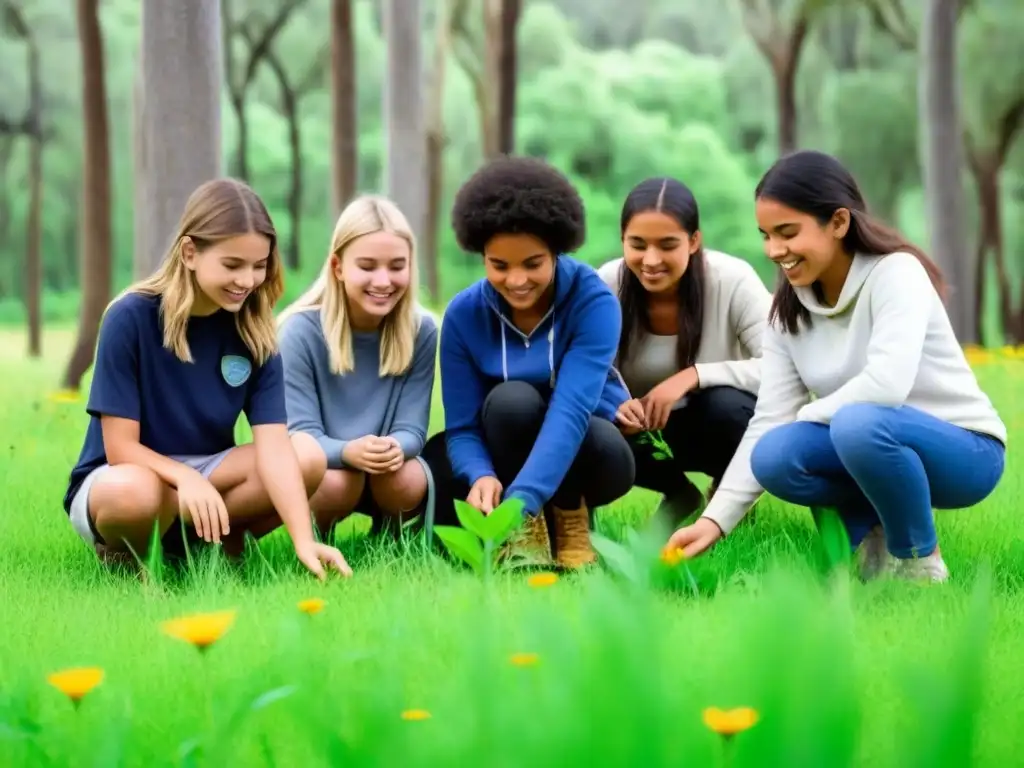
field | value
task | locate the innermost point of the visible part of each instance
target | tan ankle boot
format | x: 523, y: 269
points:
x: 531, y: 544
x: 572, y: 537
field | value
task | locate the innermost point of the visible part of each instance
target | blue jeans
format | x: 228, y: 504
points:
x: 878, y: 464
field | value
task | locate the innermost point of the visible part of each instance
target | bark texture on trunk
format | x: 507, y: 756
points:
x: 943, y: 162
x: 180, y: 115
x: 96, y: 238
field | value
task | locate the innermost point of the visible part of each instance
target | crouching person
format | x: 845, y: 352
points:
x: 526, y: 366
x: 359, y: 359
x: 181, y: 355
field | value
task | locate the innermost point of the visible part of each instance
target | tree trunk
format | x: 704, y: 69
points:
x: 508, y: 76
x: 344, y: 129
x: 985, y: 170
x: 785, y: 93
x: 6, y: 152
x: 782, y: 48
x: 140, y: 175
x: 96, y: 243
x: 942, y: 163
x: 34, y: 218
x: 403, y: 111
x: 181, y: 113
x: 33, y: 248
x: 242, y: 144
x: 290, y: 111
x: 295, y: 193
x: 479, y: 63
x: 437, y: 139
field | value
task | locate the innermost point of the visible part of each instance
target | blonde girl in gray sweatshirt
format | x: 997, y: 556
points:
x: 359, y: 356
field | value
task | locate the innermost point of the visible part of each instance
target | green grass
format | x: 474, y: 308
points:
x: 841, y: 673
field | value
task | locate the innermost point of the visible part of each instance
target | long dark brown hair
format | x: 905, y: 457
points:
x: 818, y: 185
x: 674, y: 199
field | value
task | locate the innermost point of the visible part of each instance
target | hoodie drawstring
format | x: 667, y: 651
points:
x: 551, y: 351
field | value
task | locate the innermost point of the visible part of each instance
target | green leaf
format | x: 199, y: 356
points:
x: 505, y: 519
x: 659, y: 456
x: 835, y: 542
x: 616, y: 556
x: 471, y: 518
x: 463, y: 545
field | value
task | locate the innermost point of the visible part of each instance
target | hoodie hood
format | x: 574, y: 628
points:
x: 574, y: 344
x: 860, y: 270
x: 565, y: 277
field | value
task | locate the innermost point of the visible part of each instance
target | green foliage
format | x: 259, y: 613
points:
x: 841, y: 673
x: 990, y: 52
x: 835, y: 543
x: 863, y: 105
x: 478, y: 542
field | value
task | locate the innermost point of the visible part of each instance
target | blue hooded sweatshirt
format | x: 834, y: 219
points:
x: 567, y: 357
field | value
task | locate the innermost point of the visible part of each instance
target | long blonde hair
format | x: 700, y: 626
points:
x: 215, y: 211
x: 366, y: 215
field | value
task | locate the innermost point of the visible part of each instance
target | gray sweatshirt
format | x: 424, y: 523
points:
x: 336, y: 409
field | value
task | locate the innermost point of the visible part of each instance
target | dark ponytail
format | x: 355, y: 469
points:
x: 817, y: 184
x: 674, y: 199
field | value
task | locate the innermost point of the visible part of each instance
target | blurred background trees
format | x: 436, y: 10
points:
x: 111, y: 111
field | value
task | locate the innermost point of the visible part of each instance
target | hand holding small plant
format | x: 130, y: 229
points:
x: 485, y: 494
x: 659, y: 402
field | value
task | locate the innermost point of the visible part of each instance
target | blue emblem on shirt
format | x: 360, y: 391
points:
x: 235, y: 369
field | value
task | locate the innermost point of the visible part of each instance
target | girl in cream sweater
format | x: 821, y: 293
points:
x: 689, y: 351
x: 867, y: 403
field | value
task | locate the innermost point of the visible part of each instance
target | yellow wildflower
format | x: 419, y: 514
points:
x: 75, y: 683
x: 415, y: 714
x: 311, y: 605
x: 65, y: 396
x: 202, y: 629
x: 672, y: 556
x: 542, y: 579
x: 729, y: 722
x: 524, y: 659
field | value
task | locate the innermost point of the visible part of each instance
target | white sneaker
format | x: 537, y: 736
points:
x: 873, y: 558
x: 929, y: 568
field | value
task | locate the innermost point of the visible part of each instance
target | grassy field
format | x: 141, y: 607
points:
x: 414, y: 662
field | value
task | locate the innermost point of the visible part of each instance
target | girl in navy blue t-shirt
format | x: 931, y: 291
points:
x: 181, y: 355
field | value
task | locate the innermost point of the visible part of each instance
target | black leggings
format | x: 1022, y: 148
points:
x: 512, y: 416
x: 703, y: 436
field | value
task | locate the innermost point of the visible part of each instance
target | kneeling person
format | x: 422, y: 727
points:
x: 359, y: 358
x: 181, y: 356
x: 526, y: 365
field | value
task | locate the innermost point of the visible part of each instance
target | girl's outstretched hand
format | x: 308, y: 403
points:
x: 315, y: 556
x: 696, y: 538
x: 630, y: 417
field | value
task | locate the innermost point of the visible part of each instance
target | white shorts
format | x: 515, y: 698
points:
x: 82, y: 521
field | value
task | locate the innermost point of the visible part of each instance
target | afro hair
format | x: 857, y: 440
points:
x: 513, y: 195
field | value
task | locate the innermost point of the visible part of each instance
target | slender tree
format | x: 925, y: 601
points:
x: 344, y: 129
x: 405, y: 173
x: 943, y: 159
x: 96, y: 243
x: 180, y: 116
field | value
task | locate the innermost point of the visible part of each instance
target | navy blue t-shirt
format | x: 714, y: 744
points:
x: 182, y: 408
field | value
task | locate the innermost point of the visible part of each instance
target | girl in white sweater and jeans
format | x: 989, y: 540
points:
x: 690, y: 348
x: 897, y: 424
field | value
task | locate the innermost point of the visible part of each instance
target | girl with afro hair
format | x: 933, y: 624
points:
x: 526, y: 353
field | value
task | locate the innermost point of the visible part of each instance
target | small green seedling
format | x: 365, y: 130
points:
x: 478, y: 542
x: 660, y: 449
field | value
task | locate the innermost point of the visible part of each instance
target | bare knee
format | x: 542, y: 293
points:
x: 401, y: 491
x: 127, y: 498
x: 312, y: 461
x: 338, y: 494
